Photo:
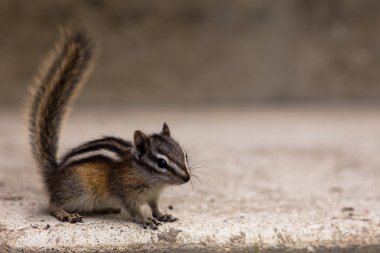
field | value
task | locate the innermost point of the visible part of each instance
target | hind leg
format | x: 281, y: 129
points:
x: 62, y: 215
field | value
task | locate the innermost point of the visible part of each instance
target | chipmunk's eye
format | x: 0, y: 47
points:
x: 161, y: 163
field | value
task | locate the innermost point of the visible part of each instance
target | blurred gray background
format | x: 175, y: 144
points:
x: 196, y: 51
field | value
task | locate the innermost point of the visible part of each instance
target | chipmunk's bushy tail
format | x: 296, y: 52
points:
x: 60, y: 78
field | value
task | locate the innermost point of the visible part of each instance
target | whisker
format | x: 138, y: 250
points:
x: 197, y: 165
x: 192, y: 185
x: 200, y: 182
x: 202, y: 162
x: 196, y: 168
x: 201, y: 170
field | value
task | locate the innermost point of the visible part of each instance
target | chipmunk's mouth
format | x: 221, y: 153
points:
x: 181, y: 180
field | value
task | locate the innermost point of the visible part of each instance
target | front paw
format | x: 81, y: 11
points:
x: 166, y: 218
x: 71, y: 217
x: 148, y: 223
x: 151, y: 223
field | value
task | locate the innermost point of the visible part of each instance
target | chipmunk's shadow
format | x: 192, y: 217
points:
x: 109, y: 215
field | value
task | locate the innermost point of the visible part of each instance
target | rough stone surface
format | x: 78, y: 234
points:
x: 270, y: 180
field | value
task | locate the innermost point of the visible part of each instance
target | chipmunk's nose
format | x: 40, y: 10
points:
x: 186, y: 178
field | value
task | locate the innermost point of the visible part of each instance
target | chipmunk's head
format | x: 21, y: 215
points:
x: 161, y: 157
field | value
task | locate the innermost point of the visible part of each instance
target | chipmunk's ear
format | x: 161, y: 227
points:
x: 141, y: 141
x: 165, y: 130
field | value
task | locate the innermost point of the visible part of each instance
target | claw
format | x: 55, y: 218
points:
x: 149, y: 223
x: 155, y: 221
x: 62, y: 215
x: 73, y: 218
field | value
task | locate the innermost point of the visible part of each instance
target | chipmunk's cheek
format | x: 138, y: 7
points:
x: 175, y: 181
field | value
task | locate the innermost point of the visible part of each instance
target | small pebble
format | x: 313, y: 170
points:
x: 47, y: 226
x: 170, y: 207
x: 348, y: 209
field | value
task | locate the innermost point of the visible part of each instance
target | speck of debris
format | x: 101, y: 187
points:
x: 34, y: 226
x: 2, y: 227
x: 348, y: 209
x: 170, y: 207
x: 10, y: 198
x: 240, y: 238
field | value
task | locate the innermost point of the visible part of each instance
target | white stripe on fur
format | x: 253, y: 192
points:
x: 103, y: 152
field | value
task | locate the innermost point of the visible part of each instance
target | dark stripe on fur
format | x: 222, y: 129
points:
x: 91, y: 159
x: 116, y: 140
x: 169, y: 168
x: 90, y: 148
x: 142, y: 164
x: 154, y: 160
x: 120, y: 141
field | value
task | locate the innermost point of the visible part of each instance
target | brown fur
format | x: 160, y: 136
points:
x: 94, y: 178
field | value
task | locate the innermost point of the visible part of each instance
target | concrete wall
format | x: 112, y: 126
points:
x: 210, y: 51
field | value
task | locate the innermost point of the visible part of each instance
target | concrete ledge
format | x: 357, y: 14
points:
x: 271, y: 181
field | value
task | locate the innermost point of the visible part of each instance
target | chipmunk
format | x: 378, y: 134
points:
x: 106, y: 174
